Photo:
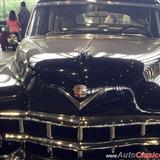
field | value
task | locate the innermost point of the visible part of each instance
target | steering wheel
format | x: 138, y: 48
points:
x: 145, y: 32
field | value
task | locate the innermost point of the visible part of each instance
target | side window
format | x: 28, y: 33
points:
x: 37, y: 26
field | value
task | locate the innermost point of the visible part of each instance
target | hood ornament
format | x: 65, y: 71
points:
x: 80, y: 91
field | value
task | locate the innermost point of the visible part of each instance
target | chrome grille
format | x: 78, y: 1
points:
x: 109, y: 125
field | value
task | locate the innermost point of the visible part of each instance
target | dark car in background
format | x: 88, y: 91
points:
x: 84, y: 83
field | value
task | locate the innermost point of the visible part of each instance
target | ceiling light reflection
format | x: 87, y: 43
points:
x: 9, y: 113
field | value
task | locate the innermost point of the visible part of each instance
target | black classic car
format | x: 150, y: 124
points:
x: 84, y: 83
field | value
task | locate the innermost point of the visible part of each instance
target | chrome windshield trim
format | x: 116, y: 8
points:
x: 80, y: 146
x: 84, y: 122
x: 156, y: 5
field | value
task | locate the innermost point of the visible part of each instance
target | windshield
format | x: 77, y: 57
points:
x: 93, y: 18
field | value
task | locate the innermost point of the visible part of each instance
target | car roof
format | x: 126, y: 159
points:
x: 121, y: 1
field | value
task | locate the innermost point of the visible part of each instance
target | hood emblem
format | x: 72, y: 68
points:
x: 80, y: 91
x: 82, y: 104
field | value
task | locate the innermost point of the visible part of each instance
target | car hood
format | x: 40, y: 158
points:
x: 97, y: 62
x: 70, y: 46
x: 73, y: 59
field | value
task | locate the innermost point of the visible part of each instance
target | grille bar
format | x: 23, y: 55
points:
x: 80, y: 139
x: 21, y: 126
x: 84, y: 122
x: 143, y: 130
x: 79, y: 146
x: 49, y: 135
x: 112, y: 132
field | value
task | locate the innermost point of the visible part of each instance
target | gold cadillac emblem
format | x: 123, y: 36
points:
x: 80, y: 91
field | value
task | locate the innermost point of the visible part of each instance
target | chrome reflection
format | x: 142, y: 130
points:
x: 19, y: 154
x: 84, y: 122
x: 10, y: 114
x: 51, y: 56
x: 8, y: 98
x: 81, y: 146
x: 95, y: 1
x: 4, y: 77
x: 6, y: 80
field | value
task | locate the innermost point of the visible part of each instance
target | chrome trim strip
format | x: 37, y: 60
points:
x: 8, y: 98
x: 84, y: 122
x: 54, y: 119
x: 80, y: 146
x: 150, y: 5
